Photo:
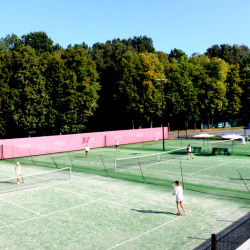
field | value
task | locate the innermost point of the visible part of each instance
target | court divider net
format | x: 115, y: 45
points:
x: 121, y: 163
x: 173, y: 165
x: 35, y: 180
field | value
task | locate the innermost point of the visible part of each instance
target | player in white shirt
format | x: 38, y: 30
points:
x: 189, y: 150
x: 87, y: 151
x: 18, y: 170
x: 178, y: 192
x: 243, y: 142
x: 117, y: 146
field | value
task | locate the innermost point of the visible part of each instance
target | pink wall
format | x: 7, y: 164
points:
x: 11, y: 148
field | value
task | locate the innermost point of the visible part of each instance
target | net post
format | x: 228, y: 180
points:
x: 214, y: 240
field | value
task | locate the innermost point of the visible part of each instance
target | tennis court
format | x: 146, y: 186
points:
x: 100, y: 208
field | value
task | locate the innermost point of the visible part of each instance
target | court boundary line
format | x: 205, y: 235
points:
x: 17, y: 205
x: 121, y: 196
x: 45, y: 215
x: 117, y: 245
x: 110, y: 202
x: 124, y: 242
x: 211, y: 167
x: 62, y: 211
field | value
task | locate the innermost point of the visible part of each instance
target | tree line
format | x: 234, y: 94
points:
x: 47, y: 90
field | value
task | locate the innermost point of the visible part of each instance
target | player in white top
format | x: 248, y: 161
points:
x: 156, y: 139
x: 117, y: 146
x: 189, y: 149
x: 18, y: 170
x: 87, y: 151
x: 243, y: 142
x: 178, y: 192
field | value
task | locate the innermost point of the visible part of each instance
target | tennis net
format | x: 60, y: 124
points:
x: 122, y: 163
x: 35, y: 180
x: 220, y: 144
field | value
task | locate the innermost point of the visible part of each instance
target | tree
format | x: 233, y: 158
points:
x: 181, y: 92
x: 40, y: 42
x: 81, y: 46
x: 23, y: 96
x: 9, y: 42
x: 212, y: 90
x: 233, y: 94
x: 142, y: 44
x: 71, y: 77
x: 177, y: 54
x: 107, y: 58
x: 231, y: 54
x: 245, y: 98
x: 136, y: 88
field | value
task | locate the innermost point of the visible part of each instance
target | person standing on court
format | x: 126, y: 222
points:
x: 87, y: 151
x: 178, y: 192
x: 18, y: 171
x: 156, y: 139
x: 189, y: 150
x: 243, y: 142
x: 117, y: 146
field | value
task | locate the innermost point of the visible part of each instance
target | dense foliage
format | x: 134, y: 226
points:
x: 47, y: 90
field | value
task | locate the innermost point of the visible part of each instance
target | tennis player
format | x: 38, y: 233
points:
x: 87, y: 151
x: 18, y: 170
x: 243, y: 142
x: 156, y: 139
x: 178, y: 192
x: 189, y: 150
x: 117, y: 146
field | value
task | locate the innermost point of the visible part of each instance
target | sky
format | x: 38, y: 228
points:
x: 192, y: 26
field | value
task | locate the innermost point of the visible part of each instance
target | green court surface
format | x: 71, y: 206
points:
x: 131, y: 208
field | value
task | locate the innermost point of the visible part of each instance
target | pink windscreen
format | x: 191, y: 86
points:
x: 11, y: 148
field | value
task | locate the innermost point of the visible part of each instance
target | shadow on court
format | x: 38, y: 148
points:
x: 152, y: 212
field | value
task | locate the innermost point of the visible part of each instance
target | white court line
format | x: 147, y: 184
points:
x: 117, y: 245
x: 123, y: 196
x: 106, y: 201
x: 93, y: 203
x: 20, y: 206
x: 97, y: 199
x: 9, y: 176
x: 133, y: 238
x: 211, y: 167
x: 45, y: 215
x: 65, y: 210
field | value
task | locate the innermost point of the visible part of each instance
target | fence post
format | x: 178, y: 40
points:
x: 213, y: 246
